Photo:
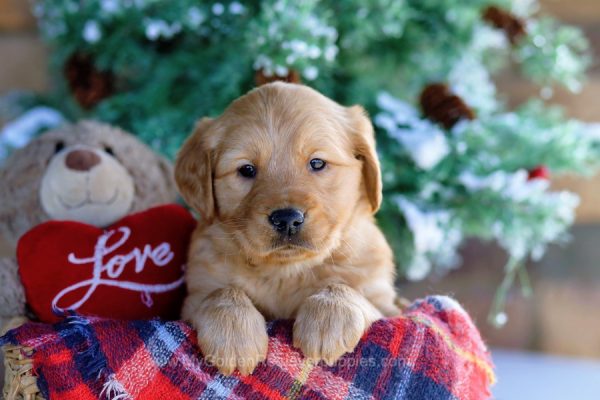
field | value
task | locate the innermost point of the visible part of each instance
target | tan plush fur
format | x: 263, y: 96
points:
x: 33, y: 178
x: 336, y: 278
x: 22, y: 173
x: 98, y: 197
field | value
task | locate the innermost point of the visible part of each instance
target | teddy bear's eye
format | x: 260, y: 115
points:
x: 58, y: 147
x: 109, y: 150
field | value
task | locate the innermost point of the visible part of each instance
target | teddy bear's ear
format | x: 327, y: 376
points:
x: 20, y: 177
x: 194, y: 171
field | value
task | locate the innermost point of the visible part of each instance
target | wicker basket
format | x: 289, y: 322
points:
x: 19, y: 381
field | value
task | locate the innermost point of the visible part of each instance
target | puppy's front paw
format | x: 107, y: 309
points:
x: 231, y: 332
x: 331, y: 322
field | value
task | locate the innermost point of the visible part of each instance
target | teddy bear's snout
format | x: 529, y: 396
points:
x: 81, y: 160
x: 83, y: 183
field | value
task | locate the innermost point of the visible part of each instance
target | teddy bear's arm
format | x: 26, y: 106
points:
x: 12, y: 296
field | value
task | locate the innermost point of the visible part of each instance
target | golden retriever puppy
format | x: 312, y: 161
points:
x: 286, y: 182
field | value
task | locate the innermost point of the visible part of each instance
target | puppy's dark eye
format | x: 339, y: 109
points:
x: 59, y: 146
x: 109, y: 150
x: 247, y: 171
x: 316, y: 164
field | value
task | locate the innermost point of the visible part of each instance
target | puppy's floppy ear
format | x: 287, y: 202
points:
x: 194, y: 170
x: 363, y: 138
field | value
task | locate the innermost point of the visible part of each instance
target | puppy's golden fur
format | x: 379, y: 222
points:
x: 335, y: 278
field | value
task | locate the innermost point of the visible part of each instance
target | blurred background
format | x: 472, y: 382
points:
x: 561, y: 318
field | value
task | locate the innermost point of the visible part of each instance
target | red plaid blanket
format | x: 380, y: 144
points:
x: 432, y: 352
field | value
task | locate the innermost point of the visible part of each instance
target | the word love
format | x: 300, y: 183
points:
x: 107, y: 267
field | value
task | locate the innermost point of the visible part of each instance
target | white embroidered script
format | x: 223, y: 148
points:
x: 107, y: 269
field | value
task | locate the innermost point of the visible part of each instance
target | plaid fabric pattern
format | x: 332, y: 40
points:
x: 431, y: 352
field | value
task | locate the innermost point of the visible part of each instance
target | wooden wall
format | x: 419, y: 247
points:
x: 23, y: 64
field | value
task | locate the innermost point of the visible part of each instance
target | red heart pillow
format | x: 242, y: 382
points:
x: 131, y: 270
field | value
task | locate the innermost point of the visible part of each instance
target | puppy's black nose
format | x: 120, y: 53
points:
x: 287, y: 220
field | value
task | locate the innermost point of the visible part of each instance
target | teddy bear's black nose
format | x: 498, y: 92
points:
x: 287, y: 221
x: 82, y: 160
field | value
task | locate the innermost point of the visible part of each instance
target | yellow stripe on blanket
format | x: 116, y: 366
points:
x: 482, y: 364
x: 307, y: 366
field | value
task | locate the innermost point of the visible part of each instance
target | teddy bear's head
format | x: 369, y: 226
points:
x: 88, y: 172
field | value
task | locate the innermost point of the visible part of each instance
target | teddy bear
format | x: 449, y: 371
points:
x: 88, y: 172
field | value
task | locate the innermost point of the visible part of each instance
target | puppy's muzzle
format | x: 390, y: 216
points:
x: 287, y: 221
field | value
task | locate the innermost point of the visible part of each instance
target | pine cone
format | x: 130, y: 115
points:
x: 513, y: 26
x: 439, y: 104
x: 292, y: 77
x: 88, y: 85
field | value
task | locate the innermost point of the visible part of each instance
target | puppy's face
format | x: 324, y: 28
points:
x: 282, y: 171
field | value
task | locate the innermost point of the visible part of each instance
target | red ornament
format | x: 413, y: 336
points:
x: 539, y: 172
x: 131, y: 270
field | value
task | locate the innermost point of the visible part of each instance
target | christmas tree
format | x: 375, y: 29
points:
x: 456, y: 162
